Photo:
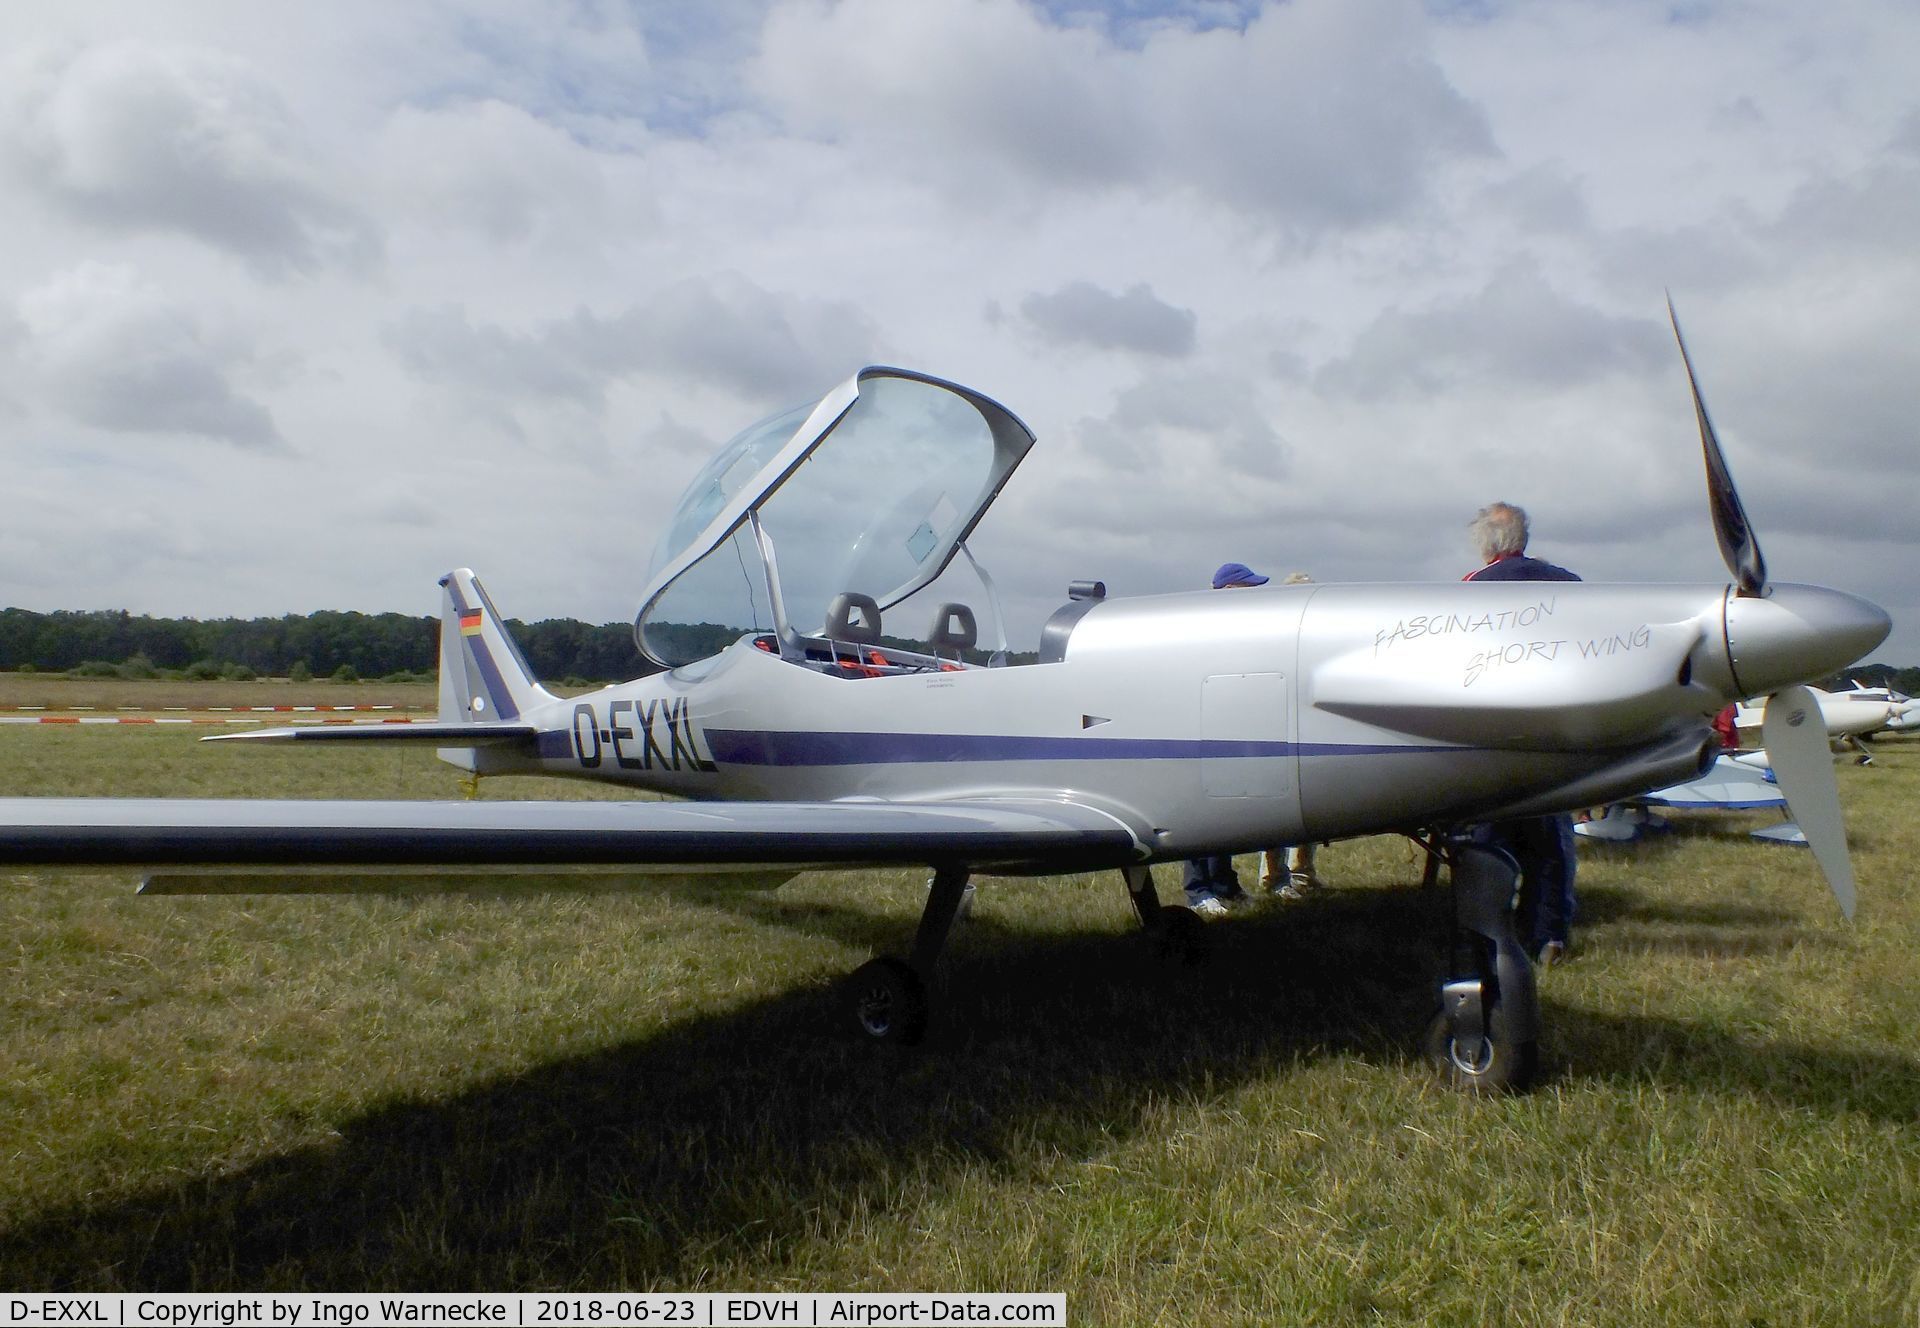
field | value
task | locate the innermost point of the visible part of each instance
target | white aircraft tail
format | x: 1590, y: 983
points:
x: 483, y: 676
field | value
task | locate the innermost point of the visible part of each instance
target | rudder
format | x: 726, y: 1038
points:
x: 483, y: 675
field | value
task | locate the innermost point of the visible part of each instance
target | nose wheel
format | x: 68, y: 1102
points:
x: 1486, y: 1038
x: 1485, y: 1061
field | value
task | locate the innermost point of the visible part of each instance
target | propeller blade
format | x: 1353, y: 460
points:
x: 1796, y: 741
x: 1738, y: 547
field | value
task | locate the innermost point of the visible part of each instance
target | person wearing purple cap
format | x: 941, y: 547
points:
x: 1287, y: 872
x: 1236, y: 574
x: 1212, y: 884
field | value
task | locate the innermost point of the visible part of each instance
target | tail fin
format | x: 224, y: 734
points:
x: 483, y: 675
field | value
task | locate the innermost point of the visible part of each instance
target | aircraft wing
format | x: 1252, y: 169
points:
x: 283, y: 835
x: 1730, y: 784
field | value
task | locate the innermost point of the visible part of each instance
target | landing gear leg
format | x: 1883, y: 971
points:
x: 1486, y: 1038
x: 888, y: 996
x: 1174, y: 930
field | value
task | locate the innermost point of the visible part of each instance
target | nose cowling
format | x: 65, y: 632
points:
x: 1798, y: 634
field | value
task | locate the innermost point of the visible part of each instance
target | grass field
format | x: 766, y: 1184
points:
x: 542, y: 1090
x: 54, y: 691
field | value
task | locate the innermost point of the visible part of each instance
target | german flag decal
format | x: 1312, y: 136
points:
x: 470, y: 623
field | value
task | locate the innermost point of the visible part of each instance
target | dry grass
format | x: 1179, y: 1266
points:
x: 549, y: 1090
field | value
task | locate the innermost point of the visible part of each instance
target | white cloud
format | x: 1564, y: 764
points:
x: 1515, y: 333
x: 106, y: 350
x: 1318, y: 114
x: 1300, y: 284
x: 1210, y: 427
x: 1136, y: 319
x: 134, y: 137
x: 722, y: 332
x: 495, y: 169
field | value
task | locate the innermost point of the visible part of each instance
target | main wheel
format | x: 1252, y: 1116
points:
x: 1494, y: 1064
x: 888, y: 1001
x: 1179, y: 936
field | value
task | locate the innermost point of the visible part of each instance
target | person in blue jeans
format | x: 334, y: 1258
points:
x: 1542, y: 845
x: 1212, y: 884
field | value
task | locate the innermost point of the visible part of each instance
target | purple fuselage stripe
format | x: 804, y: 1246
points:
x: 503, y: 706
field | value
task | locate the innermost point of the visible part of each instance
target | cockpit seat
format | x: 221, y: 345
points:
x: 841, y: 624
x: 954, y: 631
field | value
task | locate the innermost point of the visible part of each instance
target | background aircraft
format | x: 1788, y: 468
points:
x: 1853, y: 716
x: 1903, y: 711
x: 1732, y: 783
x: 1849, y: 718
x: 1146, y: 731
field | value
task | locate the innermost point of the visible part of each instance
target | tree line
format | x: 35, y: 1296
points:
x: 323, y: 644
x: 1905, y: 680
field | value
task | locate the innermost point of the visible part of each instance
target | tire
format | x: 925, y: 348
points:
x: 1498, y: 1065
x: 888, y: 1001
x: 1179, y: 936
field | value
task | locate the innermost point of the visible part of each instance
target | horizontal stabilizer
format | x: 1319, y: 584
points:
x: 420, y: 735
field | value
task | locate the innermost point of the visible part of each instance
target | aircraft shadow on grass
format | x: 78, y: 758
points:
x: 738, y: 1134
x: 1723, y: 928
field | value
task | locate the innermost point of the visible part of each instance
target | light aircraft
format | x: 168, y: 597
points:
x: 1733, y: 783
x: 1903, y: 711
x: 1741, y: 781
x: 1849, y: 718
x: 1148, y: 730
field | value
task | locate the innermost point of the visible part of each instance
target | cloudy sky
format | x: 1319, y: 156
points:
x: 301, y: 306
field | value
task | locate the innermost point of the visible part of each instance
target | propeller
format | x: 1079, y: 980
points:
x: 1792, y: 729
x: 1795, y: 737
x: 1730, y: 526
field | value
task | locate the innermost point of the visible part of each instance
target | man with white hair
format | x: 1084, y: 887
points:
x: 1500, y: 532
x: 1542, y: 845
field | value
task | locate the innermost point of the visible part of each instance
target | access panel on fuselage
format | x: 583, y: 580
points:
x: 1243, y: 730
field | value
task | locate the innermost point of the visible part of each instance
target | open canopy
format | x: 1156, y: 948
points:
x: 868, y: 492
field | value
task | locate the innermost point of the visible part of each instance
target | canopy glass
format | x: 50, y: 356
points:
x: 867, y: 492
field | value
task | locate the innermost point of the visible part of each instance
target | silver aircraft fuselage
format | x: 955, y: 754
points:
x: 1218, y: 721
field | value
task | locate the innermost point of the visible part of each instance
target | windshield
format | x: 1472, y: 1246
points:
x: 870, y: 498
x: 741, y: 460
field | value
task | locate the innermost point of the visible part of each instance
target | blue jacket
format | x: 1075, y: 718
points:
x: 1519, y: 567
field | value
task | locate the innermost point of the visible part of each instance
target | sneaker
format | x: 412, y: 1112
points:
x: 1209, y: 907
x: 1553, y: 952
x: 1292, y: 891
